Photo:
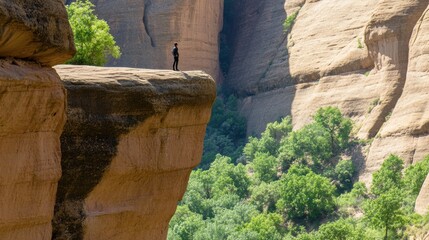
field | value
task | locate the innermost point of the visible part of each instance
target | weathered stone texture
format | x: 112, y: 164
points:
x: 36, y: 29
x: 422, y: 202
x: 32, y: 116
x: 130, y: 142
x: 260, y: 58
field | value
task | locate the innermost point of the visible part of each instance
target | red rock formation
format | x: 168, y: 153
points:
x: 131, y: 139
x: 32, y: 114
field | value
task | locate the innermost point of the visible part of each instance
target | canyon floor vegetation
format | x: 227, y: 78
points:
x: 293, y: 184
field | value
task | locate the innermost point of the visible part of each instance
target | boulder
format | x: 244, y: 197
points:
x: 37, y: 30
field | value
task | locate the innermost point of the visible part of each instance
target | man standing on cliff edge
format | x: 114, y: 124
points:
x: 176, y: 57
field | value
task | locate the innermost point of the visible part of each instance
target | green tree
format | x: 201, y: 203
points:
x: 265, y: 196
x: 344, y: 172
x: 265, y: 167
x: 415, y: 175
x: 270, y: 139
x: 385, y: 211
x: 309, y: 145
x: 226, y: 131
x: 304, y: 194
x: 338, y: 127
x: 94, y: 43
x: 389, y: 176
x: 184, y: 224
x: 341, y: 229
x: 262, y: 227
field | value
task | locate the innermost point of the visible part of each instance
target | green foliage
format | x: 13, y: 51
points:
x: 344, y: 172
x: 265, y: 196
x: 341, y: 229
x: 226, y: 222
x: 305, y: 194
x: 263, y: 226
x: 270, y: 139
x: 389, y: 176
x: 265, y: 167
x: 222, y: 186
x: 287, y: 24
x: 184, y: 224
x: 238, y: 202
x: 316, y: 143
x: 94, y: 43
x: 226, y: 132
x: 360, y: 45
x: 338, y: 127
x: 385, y: 211
x: 415, y: 175
x: 308, y: 145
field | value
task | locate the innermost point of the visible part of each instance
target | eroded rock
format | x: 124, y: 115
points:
x: 38, y: 30
x: 130, y: 142
x: 32, y: 116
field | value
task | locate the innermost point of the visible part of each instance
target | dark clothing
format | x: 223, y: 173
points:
x: 175, y: 53
x: 175, y: 63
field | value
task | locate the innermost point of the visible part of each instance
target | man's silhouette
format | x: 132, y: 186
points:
x: 176, y: 57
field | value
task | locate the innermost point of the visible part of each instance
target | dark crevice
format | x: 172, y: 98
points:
x: 147, y: 6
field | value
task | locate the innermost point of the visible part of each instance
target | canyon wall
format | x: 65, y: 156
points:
x: 366, y: 57
x: 34, y: 36
x: 146, y: 30
x: 131, y: 139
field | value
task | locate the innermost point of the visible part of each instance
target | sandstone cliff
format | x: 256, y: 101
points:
x: 370, y: 62
x: 32, y: 114
x: 146, y: 30
x: 130, y: 142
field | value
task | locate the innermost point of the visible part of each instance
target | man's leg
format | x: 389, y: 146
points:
x: 177, y: 64
x: 174, y: 63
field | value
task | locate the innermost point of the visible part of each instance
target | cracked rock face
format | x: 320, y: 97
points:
x: 37, y: 30
x: 131, y: 139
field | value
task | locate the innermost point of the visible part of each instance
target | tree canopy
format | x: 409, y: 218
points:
x: 94, y: 43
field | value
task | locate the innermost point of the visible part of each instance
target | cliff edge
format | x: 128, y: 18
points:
x: 131, y: 139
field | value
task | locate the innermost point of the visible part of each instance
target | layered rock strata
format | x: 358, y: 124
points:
x: 131, y: 139
x: 146, y: 30
x: 33, y: 36
x: 32, y: 116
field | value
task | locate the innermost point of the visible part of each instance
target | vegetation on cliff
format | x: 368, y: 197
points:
x: 299, y: 185
x: 94, y: 43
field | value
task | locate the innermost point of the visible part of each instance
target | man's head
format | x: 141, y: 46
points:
x: 175, y: 44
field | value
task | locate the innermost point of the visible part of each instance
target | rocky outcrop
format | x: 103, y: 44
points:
x: 146, y: 30
x: 422, y: 202
x: 32, y: 114
x: 37, y: 30
x: 131, y: 139
x: 400, y: 54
